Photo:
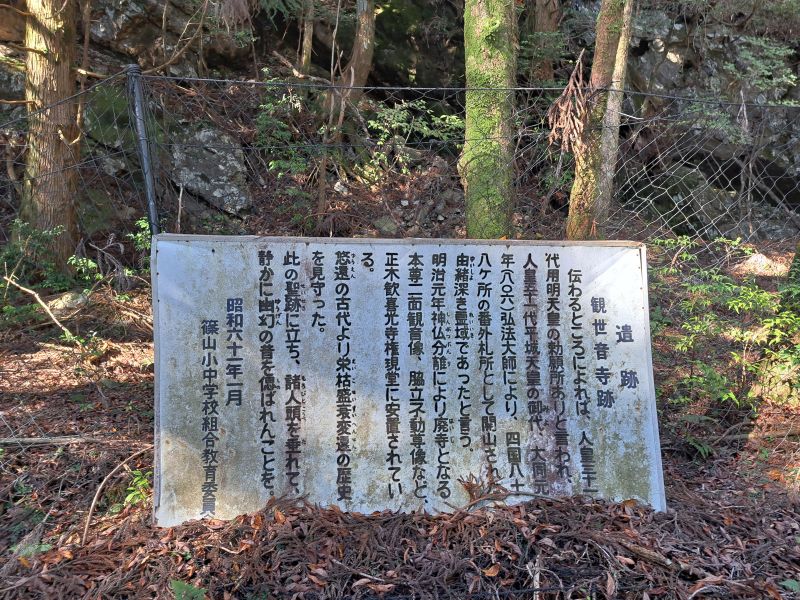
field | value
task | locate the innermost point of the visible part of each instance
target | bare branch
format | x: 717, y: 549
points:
x: 22, y: 48
x: 185, y: 48
x: 21, y: 13
x: 103, y: 484
x: 42, y: 303
x: 48, y: 441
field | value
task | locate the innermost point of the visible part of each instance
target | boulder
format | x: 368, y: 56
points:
x: 66, y: 303
x: 110, y: 133
x: 106, y: 118
x: 210, y: 164
x: 102, y: 213
x: 386, y: 226
x: 691, y: 204
x: 151, y: 31
x: 716, y: 61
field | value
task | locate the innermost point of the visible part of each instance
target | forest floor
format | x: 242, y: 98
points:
x: 732, y: 475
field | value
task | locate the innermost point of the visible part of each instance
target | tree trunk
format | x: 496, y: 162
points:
x: 544, y: 16
x: 308, y: 37
x: 596, y: 160
x: 356, y: 72
x: 347, y: 91
x: 486, y: 165
x: 358, y: 67
x: 50, y: 182
x: 360, y: 63
x: 609, y: 139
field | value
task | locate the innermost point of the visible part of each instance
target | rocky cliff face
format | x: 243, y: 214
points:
x: 147, y: 32
x: 746, y: 138
x: 151, y: 32
x: 418, y: 41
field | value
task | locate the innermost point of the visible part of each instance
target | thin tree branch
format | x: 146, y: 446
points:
x: 760, y: 435
x: 288, y: 64
x: 102, y: 485
x: 42, y: 303
x: 49, y: 441
x: 22, y: 48
x: 87, y: 73
x: 186, y: 46
x: 21, y: 13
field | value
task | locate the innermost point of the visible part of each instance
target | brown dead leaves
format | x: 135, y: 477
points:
x: 294, y: 550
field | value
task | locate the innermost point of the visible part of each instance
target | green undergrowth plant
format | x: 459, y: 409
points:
x: 27, y: 258
x: 32, y: 280
x: 139, y: 487
x: 28, y: 261
x: 281, y: 128
x: 186, y: 591
x: 85, y: 269
x: 141, y: 240
x: 399, y: 131
x: 736, y: 344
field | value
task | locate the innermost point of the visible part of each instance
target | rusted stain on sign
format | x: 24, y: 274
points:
x: 375, y: 374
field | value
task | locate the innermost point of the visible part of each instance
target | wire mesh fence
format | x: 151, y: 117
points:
x: 299, y: 157
x: 257, y: 157
x: 691, y: 167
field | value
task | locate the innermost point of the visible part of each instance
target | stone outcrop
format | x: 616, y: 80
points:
x: 210, y: 165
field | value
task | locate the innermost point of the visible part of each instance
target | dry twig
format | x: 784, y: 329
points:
x: 567, y: 116
x: 103, y: 484
x: 48, y: 441
x: 42, y: 303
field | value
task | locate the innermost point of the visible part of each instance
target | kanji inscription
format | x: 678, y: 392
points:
x: 376, y: 374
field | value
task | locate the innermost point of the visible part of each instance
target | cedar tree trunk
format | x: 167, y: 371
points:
x: 486, y: 165
x: 544, y: 17
x: 51, y: 179
x: 308, y: 36
x: 596, y: 160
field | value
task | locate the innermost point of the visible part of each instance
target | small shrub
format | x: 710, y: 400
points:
x: 142, y: 239
x: 399, y: 129
x: 761, y: 338
x: 288, y: 153
x: 138, y: 488
x: 29, y: 260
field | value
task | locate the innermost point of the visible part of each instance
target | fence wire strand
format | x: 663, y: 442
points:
x: 246, y: 156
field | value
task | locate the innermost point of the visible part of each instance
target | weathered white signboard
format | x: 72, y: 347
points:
x: 376, y: 374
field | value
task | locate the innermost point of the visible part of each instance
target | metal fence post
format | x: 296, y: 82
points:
x: 136, y: 100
